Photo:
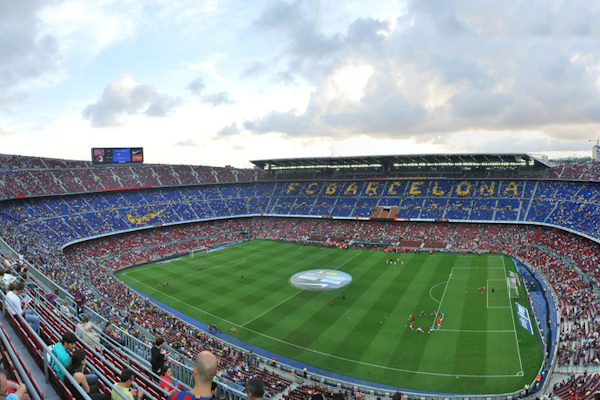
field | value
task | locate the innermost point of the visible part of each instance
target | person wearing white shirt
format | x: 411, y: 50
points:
x: 13, y: 304
x: 7, y: 279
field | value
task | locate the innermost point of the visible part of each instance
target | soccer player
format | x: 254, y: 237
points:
x: 422, y: 312
x: 199, y: 267
x: 411, y: 317
x: 158, y: 285
x: 430, y: 329
x: 439, y: 321
x: 493, y: 290
x: 402, y: 261
x: 387, y: 260
x: 433, y: 312
x: 412, y: 325
x: 420, y: 329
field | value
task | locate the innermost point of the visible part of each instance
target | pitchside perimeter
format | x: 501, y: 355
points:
x: 360, y: 330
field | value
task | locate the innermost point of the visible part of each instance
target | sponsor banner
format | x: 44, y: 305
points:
x: 524, y: 320
x: 320, y: 279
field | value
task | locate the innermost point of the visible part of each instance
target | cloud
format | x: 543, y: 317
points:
x: 255, y: 69
x: 444, y: 66
x: 229, y: 130
x: 125, y: 97
x: 217, y: 99
x: 87, y: 28
x: 27, y: 51
x: 189, y: 142
x: 196, y: 86
x: 6, y: 130
x: 162, y: 105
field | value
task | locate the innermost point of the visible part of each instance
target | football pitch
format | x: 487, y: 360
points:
x: 479, y: 348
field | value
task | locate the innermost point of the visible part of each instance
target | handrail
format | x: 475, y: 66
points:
x: 95, y: 370
x: 31, y: 389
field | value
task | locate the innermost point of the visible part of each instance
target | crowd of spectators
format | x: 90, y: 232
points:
x: 71, y: 218
x: 584, y: 387
x: 583, y: 170
x: 37, y: 176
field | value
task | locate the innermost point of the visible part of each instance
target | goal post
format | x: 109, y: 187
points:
x: 199, y: 250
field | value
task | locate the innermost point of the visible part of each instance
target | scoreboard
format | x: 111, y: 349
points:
x: 113, y: 155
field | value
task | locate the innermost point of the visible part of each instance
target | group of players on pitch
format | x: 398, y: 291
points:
x: 438, y: 320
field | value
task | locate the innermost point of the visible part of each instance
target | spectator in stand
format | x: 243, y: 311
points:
x: 111, y: 335
x: 18, y: 391
x: 61, y: 352
x: 124, y: 386
x: 18, y: 306
x: 85, y: 331
x: 80, y: 300
x: 167, y: 383
x: 205, y: 369
x: 397, y: 396
x: 52, y: 296
x: 88, y: 382
x: 64, y: 307
x: 158, y: 355
x: 7, y: 279
x: 255, y: 388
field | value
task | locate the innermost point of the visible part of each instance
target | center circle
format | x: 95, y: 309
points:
x: 320, y: 279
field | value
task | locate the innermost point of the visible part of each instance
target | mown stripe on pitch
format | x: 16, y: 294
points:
x: 412, y: 297
x: 471, y: 355
x: 413, y: 300
x: 305, y: 330
x: 278, y: 316
x: 321, y: 315
x: 285, y: 319
x: 264, y: 285
x: 433, y: 346
x: 369, y: 318
x: 207, y: 293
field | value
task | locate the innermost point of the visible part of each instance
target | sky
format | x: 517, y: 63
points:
x: 224, y: 82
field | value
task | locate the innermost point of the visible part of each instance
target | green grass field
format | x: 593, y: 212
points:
x: 480, y: 348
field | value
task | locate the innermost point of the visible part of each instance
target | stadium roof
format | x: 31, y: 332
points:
x: 410, y: 161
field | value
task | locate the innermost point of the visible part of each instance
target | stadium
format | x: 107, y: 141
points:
x: 435, y: 275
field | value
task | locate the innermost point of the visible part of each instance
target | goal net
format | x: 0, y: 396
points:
x: 512, y: 283
x: 199, y: 250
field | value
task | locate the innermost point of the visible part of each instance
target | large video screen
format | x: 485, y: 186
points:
x: 115, y: 155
